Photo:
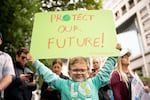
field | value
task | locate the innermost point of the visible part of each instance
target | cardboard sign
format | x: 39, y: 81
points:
x: 65, y: 34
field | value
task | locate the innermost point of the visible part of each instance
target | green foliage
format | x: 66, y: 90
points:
x: 47, y: 62
x: 139, y: 72
x: 16, y: 20
x: 62, y: 5
x: 146, y: 79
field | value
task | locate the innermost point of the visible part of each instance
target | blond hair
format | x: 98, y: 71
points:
x: 76, y: 60
x: 122, y: 74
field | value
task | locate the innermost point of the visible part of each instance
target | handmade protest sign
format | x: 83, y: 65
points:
x: 66, y: 34
x: 137, y: 90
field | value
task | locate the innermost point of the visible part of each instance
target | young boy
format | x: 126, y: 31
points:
x: 80, y: 86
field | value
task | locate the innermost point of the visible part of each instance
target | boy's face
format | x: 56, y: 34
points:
x: 79, y: 72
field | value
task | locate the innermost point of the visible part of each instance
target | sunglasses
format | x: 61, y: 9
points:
x: 23, y: 57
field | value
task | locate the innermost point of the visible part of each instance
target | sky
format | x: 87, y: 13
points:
x: 130, y: 40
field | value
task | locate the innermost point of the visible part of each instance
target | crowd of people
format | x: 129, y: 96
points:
x: 112, y: 81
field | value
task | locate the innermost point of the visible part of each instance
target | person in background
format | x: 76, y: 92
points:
x: 103, y: 91
x: 146, y: 86
x: 47, y: 93
x: 96, y: 66
x: 6, y: 69
x: 23, y: 84
x: 80, y: 86
x: 122, y: 76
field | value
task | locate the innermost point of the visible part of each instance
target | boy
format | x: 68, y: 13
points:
x: 80, y: 86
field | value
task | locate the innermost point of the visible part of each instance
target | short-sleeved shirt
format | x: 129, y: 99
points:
x: 6, y: 65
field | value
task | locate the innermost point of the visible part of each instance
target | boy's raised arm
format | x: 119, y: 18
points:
x: 104, y: 73
x: 43, y: 71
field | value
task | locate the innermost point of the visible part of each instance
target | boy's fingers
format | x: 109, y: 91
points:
x: 118, y: 46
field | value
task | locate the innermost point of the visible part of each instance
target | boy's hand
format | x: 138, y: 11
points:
x: 29, y: 58
x: 118, y: 46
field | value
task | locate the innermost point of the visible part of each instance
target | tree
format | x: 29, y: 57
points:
x: 16, y: 21
x: 62, y: 5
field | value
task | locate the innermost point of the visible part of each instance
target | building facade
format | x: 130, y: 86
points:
x: 132, y: 21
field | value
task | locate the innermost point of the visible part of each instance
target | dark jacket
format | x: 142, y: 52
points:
x: 102, y: 93
x: 19, y: 90
x: 51, y: 95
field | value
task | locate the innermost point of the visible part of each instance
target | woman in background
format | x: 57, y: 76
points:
x: 46, y: 92
x: 121, y: 77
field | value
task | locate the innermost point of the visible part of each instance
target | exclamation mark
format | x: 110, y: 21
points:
x: 102, y: 40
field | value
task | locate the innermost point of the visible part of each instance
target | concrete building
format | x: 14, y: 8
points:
x: 132, y: 21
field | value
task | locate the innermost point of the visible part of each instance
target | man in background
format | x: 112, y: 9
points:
x: 102, y: 93
x: 6, y: 70
x: 23, y: 84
